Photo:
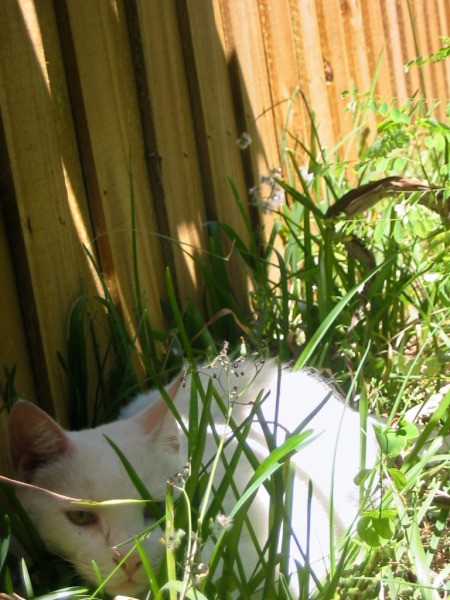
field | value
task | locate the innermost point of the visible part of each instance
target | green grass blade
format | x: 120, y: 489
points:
x: 326, y: 325
x: 137, y: 481
x: 271, y: 464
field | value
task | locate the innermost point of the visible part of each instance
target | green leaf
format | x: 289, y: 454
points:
x: 398, y: 231
x: 391, y: 441
x: 410, y: 430
x: 26, y: 579
x: 380, y: 229
x: 399, y: 164
x: 384, y: 513
x: 66, y: 594
x: 367, y: 532
x: 384, y: 527
x: 4, y: 542
x: 439, y: 142
x: 383, y: 109
x: 398, y: 478
x: 429, y: 142
x: 362, y: 476
x: 399, y: 116
x: 375, y: 531
x: 382, y: 164
x: 419, y: 228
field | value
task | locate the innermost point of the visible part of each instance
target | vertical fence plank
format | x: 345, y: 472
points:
x: 356, y: 44
x: 394, y: 20
x: 42, y: 189
x: 108, y: 120
x: 279, y: 38
x: 213, y: 109
x: 428, y: 32
x: 313, y: 78
x: 412, y: 79
x: 5, y: 466
x: 250, y: 56
x: 215, y: 121
x: 169, y: 108
x: 444, y: 18
x: 336, y: 64
x: 14, y: 352
x: 251, y: 48
x: 377, y: 46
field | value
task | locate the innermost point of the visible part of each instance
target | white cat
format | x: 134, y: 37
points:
x: 84, y: 465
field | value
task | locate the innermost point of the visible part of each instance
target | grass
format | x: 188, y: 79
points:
x: 365, y: 296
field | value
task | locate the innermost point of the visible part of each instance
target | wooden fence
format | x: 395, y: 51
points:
x: 93, y: 90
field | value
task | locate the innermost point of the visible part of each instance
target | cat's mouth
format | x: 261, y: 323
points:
x: 128, y: 588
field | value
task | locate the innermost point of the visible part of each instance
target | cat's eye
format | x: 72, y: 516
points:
x: 82, y: 517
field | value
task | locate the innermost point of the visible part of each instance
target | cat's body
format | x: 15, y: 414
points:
x: 83, y: 465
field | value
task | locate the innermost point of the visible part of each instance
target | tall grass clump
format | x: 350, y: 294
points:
x: 351, y: 275
x: 372, y: 233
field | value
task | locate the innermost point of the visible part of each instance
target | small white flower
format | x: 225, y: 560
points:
x: 431, y: 277
x: 267, y: 179
x: 278, y: 197
x: 174, y: 538
x: 244, y: 140
x: 402, y: 210
x: 306, y: 174
x: 224, y: 522
x: 254, y: 193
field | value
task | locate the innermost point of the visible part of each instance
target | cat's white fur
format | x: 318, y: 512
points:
x: 83, y: 465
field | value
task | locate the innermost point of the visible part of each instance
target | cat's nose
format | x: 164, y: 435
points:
x: 130, y: 565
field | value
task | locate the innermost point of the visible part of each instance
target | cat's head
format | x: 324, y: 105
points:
x: 84, y: 465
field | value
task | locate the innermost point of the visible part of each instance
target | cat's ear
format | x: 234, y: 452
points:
x: 159, y: 421
x: 35, y: 438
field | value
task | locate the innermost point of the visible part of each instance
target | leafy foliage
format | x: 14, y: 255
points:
x: 365, y: 295
x: 441, y: 54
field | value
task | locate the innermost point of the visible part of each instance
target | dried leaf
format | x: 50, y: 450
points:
x: 365, y: 196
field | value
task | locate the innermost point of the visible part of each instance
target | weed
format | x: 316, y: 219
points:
x: 353, y: 277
